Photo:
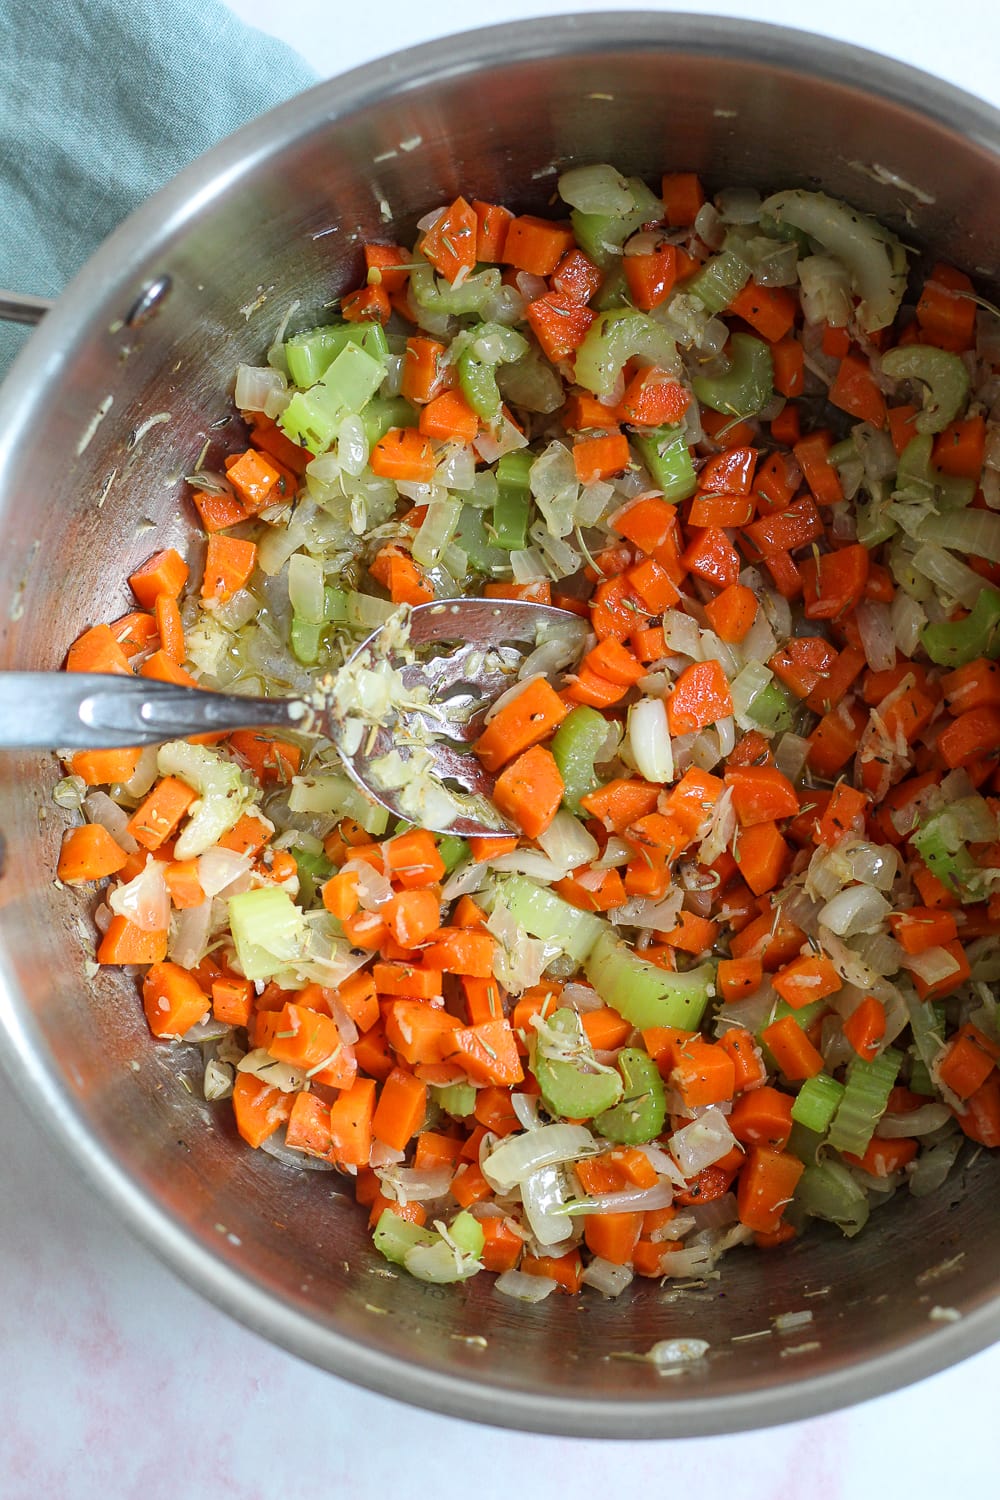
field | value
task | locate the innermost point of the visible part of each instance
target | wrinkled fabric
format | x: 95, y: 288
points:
x: 103, y: 101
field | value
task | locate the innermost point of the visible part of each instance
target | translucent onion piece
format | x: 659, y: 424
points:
x: 701, y: 1143
x: 860, y: 908
x: 649, y: 740
x: 877, y: 637
x: 145, y: 901
x: 606, y: 1277
x: 99, y: 808
x: 567, y: 842
x: 922, y: 1121
x: 517, y: 1156
x: 524, y: 1288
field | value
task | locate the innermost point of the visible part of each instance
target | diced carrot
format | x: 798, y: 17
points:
x: 653, y: 399
x: 413, y: 859
x: 229, y: 562
x: 156, y: 819
x: 770, y: 311
x: 184, y: 884
x: 89, y: 853
x: 560, y: 323
x: 173, y: 1000
x: 789, y: 360
x: 270, y: 760
x: 163, y: 573
x: 600, y: 457
x: 703, y: 1073
x: 700, y: 697
x: 522, y: 722
x: 450, y: 243
x: 762, y: 1117
x: 761, y: 794
x: 247, y: 836
x: 536, y: 245
x: 449, y: 418
x: 855, y: 391
x: 104, y: 767
x: 820, y: 475
x: 791, y: 1049
x: 404, y: 454
x: 401, y: 979
x: 651, y: 276
x: 807, y: 979
x: 259, y: 1109
x: 711, y: 555
x: 738, y: 977
x: 968, y: 1061
x: 865, y: 1026
x: 399, y: 575
x: 401, y: 1108
x: 766, y: 1187
x: 749, y: 1071
x: 232, y: 1000
x: 98, y: 650
x: 530, y: 789
x: 683, y: 195
x: 834, y: 582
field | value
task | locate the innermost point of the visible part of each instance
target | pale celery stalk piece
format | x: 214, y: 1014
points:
x: 873, y: 256
x: 223, y: 794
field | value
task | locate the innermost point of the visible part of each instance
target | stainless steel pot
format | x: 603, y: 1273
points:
x: 198, y: 279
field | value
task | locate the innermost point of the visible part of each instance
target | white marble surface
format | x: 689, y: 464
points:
x: 117, y: 1382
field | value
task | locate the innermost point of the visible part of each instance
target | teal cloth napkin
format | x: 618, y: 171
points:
x: 103, y: 101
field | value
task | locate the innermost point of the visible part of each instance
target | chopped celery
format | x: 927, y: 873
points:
x: 642, y: 992
x: 511, y: 516
x: 817, y: 1101
x: 573, y: 1084
x: 436, y: 295
x: 311, y: 418
x: 920, y: 1080
x: 641, y: 1114
x: 479, y: 547
x: 310, y: 354
x: 304, y: 638
x: 485, y: 348
x: 873, y: 257
x: 612, y: 340
x: 452, y: 850
x: 223, y: 794
x: 395, y: 1237
x: 946, y: 854
x: 748, y: 384
x: 313, y: 870
x: 575, y: 746
x: 601, y: 236
x: 719, y: 281
x: 866, y: 1094
x: 828, y: 1191
x: 666, y: 454
x: 452, y: 1254
x: 917, y: 479
x: 268, y: 930
x: 803, y: 1016
x: 353, y: 377
x: 874, y: 525
x: 383, y: 412
x: 335, y: 793
x: 456, y: 1099
x: 613, y: 290
x: 943, y: 376
x: 955, y: 644
x: 334, y: 605
x: 927, y: 1023
x: 772, y: 708
x: 804, y: 1143
x: 545, y: 915
x: 514, y: 469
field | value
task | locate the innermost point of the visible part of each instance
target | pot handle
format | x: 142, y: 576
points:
x: 19, y: 307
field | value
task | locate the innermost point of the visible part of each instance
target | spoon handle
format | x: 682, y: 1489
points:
x: 84, y: 710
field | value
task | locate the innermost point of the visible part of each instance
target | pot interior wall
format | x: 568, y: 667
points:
x: 283, y: 221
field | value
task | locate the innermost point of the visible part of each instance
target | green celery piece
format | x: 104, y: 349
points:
x: 478, y: 545
x: 395, y: 1237
x: 311, y: 418
x: 641, y: 1114
x: 948, y: 859
x: 779, y: 229
x: 920, y: 1080
x: 612, y: 339
x: 435, y: 295
x: 613, y: 290
x: 816, y: 1102
x: 456, y: 1099
x: 872, y: 255
x: 575, y: 1087
x: 438, y: 1262
x: 842, y: 453
x: 828, y: 1191
x: 873, y: 525
x: 268, y: 931
x: 927, y: 1024
x: 305, y: 639
x: 642, y: 992
x: 773, y: 709
x: 666, y: 454
x: 383, y: 412
x: 310, y: 354
x: 334, y: 605
x: 916, y: 478
x: 575, y: 745
x: 514, y: 469
x: 547, y: 916
x: 866, y: 1094
x: 804, y: 1016
x: 511, y: 518
x: 956, y: 644
x: 353, y: 377
x: 943, y: 376
x: 452, y: 850
x: 718, y: 282
x: 804, y: 1143
x: 486, y: 347
x: 748, y: 384
x: 313, y: 870
x: 601, y: 236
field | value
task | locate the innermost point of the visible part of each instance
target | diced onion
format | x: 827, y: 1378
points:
x: 524, y: 1288
x: 932, y: 966
x: 922, y: 1121
x: 517, y: 1156
x: 701, y: 1143
x: 567, y: 842
x: 877, y: 638
x: 145, y: 900
x: 649, y: 740
x: 606, y: 1277
x: 859, y: 908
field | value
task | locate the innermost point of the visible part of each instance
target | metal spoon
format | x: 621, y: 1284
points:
x: 484, y: 641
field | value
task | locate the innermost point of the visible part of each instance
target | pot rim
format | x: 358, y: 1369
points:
x: 93, y: 295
